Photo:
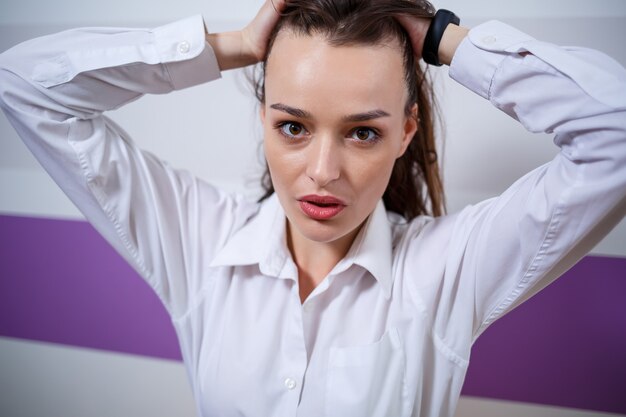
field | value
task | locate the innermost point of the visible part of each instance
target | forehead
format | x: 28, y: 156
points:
x: 308, y: 72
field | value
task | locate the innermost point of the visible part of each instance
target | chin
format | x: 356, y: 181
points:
x: 319, y: 231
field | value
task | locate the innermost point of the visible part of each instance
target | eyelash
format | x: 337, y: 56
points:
x: 376, y: 135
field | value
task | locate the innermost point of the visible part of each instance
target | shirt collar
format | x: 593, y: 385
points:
x: 372, y: 249
x: 262, y: 240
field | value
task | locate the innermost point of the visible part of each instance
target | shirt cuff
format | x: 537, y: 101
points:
x: 480, y: 54
x: 182, y: 47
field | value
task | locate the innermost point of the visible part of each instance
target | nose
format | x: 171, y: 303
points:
x: 323, y: 160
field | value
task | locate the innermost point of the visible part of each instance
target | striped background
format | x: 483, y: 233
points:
x: 63, y: 284
x: 82, y: 335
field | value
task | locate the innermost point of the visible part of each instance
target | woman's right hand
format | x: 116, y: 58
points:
x: 247, y: 46
x: 256, y: 34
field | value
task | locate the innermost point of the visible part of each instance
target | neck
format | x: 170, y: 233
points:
x: 316, y: 259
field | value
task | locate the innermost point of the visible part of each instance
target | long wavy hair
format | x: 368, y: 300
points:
x: 415, y: 186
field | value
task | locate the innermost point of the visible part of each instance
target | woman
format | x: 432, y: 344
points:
x: 322, y: 300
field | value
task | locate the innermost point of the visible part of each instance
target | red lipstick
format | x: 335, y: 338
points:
x: 320, y: 207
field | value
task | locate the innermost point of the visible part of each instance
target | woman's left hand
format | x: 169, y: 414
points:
x: 417, y: 27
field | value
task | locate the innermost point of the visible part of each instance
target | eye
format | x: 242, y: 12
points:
x: 365, y: 134
x: 291, y: 129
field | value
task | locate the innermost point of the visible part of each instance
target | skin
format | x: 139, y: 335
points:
x: 328, y: 155
x: 321, y: 153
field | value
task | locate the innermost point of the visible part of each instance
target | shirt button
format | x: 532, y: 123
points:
x: 184, y: 47
x: 290, y: 383
x: 308, y: 307
x: 489, y: 40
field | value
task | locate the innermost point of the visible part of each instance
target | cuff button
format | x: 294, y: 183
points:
x: 184, y: 47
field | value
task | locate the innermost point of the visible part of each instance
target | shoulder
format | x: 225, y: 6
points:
x: 427, y: 235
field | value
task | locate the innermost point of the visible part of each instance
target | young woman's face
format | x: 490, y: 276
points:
x: 334, y: 124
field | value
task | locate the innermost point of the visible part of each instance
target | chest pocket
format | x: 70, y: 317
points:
x: 367, y: 380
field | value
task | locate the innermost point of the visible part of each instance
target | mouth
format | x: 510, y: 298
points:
x: 320, y: 207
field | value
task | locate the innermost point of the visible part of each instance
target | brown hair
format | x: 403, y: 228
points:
x: 415, y: 185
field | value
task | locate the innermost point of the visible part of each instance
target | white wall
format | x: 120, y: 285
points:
x: 80, y: 11
x: 213, y: 131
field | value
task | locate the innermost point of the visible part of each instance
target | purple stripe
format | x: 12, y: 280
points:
x: 61, y: 282
x: 566, y: 346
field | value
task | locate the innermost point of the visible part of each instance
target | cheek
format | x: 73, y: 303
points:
x: 370, y: 174
x: 283, y: 166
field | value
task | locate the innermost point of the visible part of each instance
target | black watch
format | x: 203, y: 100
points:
x: 438, y: 25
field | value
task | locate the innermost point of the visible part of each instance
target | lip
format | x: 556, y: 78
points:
x: 320, y: 207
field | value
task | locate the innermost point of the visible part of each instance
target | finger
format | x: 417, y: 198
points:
x: 278, y: 5
x: 257, y: 32
x: 416, y: 28
x: 268, y: 16
x: 270, y: 12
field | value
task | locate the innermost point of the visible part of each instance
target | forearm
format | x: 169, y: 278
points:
x: 85, y: 71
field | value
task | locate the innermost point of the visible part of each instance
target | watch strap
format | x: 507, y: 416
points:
x: 438, y: 25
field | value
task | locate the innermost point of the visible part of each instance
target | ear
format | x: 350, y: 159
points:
x: 410, y: 127
x: 262, y: 113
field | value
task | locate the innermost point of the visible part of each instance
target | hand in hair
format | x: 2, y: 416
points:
x: 417, y: 27
x: 247, y: 46
x: 256, y: 34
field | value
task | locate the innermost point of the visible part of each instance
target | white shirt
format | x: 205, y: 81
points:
x: 388, y: 332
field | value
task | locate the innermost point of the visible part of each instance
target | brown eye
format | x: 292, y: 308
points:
x: 291, y: 129
x: 294, y: 129
x: 364, y: 134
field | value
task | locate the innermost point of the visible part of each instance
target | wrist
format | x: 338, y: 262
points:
x: 450, y: 41
x: 230, y: 50
x: 442, y: 38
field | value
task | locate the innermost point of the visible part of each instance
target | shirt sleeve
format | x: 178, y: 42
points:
x: 55, y: 90
x: 504, y: 250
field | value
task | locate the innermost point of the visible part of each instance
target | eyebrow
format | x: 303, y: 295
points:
x: 303, y: 114
x: 368, y: 115
x: 358, y: 117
